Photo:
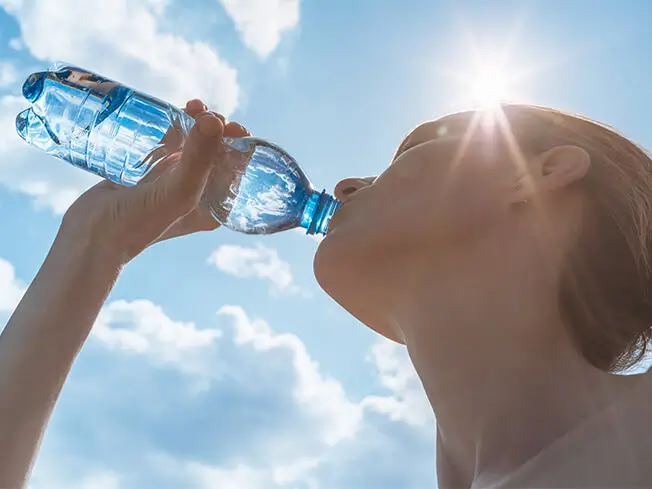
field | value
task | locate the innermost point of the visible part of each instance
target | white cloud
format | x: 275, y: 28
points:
x: 53, y: 183
x: 11, y: 5
x: 261, y: 23
x: 408, y: 402
x: 8, y: 74
x: 278, y: 419
x: 271, y: 419
x: 159, y: 6
x: 50, y: 195
x: 100, y: 480
x: 16, y: 44
x: 321, y: 396
x: 258, y: 262
x: 123, y: 40
x: 120, y: 39
x: 142, y: 327
x: 94, y: 479
x: 239, y: 477
x: 296, y: 471
x: 11, y: 289
x: 200, y: 475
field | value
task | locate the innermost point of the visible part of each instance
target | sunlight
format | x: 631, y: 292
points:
x: 489, y: 87
x: 483, y: 78
x: 487, y: 82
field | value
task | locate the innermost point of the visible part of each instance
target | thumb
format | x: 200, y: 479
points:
x: 185, y: 184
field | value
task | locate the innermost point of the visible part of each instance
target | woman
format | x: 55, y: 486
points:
x: 508, y: 250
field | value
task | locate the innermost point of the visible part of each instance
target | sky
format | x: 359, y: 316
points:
x: 217, y: 361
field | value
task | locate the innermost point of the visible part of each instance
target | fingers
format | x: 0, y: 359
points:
x: 183, y: 186
x: 231, y: 129
x: 235, y: 130
x: 179, y: 181
x: 198, y: 220
x: 195, y: 107
x: 161, y: 167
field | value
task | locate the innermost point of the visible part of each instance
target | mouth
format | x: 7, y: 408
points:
x: 337, y: 217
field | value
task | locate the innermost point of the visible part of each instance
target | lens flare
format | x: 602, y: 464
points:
x: 489, y: 88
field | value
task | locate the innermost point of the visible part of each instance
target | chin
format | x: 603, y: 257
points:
x: 329, y: 262
x: 337, y: 263
x: 346, y: 270
x: 347, y: 255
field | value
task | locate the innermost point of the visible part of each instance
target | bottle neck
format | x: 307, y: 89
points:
x: 318, y: 212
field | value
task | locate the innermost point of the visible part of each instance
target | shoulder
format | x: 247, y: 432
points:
x: 612, y: 449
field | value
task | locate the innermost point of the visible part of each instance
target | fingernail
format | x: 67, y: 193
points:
x: 243, y: 128
x: 208, y: 126
x: 219, y: 116
x: 197, y: 101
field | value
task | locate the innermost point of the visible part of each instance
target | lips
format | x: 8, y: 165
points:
x: 340, y: 213
x: 336, y: 218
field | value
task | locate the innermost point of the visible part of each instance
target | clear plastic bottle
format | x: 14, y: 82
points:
x: 120, y: 134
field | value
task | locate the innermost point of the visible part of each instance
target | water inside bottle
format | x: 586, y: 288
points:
x: 121, y: 134
x: 99, y: 125
x: 266, y: 193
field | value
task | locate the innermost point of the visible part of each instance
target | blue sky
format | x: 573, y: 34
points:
x: 217, y: 361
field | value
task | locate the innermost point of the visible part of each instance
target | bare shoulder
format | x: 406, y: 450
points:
x: 613, y: 449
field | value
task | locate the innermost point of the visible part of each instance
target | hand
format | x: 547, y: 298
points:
x: 123, y: 221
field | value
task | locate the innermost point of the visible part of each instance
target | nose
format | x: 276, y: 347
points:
x: 347, y: 187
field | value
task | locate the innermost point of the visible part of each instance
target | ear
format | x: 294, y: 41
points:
x: 552, y: 170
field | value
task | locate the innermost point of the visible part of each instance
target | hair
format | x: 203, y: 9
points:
x: 606, y: 289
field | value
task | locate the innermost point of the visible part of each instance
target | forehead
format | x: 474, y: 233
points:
x: 452, y: 126
x: 511, y: 128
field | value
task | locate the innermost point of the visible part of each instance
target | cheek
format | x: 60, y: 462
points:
x: 466, y: 204
x: 408, y: 209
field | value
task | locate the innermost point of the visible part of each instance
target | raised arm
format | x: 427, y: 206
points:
x: 40, y: 343
x: 102, y: 231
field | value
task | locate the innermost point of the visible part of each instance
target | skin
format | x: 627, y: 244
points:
x: 470, y: 286
x: 101, y: 232
x: 456, y: 254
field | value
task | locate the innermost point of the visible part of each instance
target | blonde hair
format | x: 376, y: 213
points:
x: 606, y: 291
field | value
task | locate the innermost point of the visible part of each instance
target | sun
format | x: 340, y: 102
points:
x: 485, y: 85
x: 489, y: 87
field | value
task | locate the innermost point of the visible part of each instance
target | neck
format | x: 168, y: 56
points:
x: 499, y: 369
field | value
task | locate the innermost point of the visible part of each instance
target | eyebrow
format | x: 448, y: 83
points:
x: 410, y: 142
x: 403, y: 146
x: 453, y: 124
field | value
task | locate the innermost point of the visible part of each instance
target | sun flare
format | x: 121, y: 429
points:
x: 489, y: 87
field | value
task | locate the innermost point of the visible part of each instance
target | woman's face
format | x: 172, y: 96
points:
x: 450, y: 184
x: 447, y: 182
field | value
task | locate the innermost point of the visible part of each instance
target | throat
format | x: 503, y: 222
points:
x: 497, y: 406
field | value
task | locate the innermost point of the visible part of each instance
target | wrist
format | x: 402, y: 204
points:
x: 78, y: 247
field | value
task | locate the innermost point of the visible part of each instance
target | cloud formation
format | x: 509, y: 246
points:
x: 11, y: 289
x: 8, y: 74
x: 396, y: 373
x: 52, y: 183
x: 322, y: 397
x: 121, y: 39
x: 258, y: 262
x: 261, y: 23
x: 268, y: 418
x: 141, y: 327
x: 124, y: 40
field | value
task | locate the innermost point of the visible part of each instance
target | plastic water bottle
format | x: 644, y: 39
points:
x: 120, y: 134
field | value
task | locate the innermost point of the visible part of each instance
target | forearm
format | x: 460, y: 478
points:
x: 40, y: 343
